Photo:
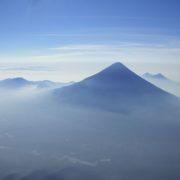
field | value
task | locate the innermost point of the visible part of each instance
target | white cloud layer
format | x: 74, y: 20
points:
x: 76, y: 61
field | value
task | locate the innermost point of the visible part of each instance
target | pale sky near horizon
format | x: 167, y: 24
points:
x: 67, y: 40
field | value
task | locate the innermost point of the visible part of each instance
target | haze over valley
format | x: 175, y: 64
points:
x: 113, y: 124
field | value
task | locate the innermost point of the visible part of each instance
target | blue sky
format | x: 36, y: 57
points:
x: 71, y: 39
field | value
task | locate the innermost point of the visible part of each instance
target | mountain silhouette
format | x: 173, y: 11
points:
x: 114, y: 88
x: 163, y: 82
x: 19, y: 82
x: 14, y: 83
x: 157, y: 76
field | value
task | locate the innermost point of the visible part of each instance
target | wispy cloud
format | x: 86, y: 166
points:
x: 116, y: 31
x: 86, y: 48
x: 25, y: 68
x: 127, y: 51
x: 50, y: 63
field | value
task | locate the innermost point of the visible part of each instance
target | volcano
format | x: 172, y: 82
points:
x: 114, y: 88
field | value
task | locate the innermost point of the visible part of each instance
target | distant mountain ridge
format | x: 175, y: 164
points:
x: 155, y: 76
x: 163, y: 82
x: 114, y: 88
x: 14, y: 83
x: 19, y: 82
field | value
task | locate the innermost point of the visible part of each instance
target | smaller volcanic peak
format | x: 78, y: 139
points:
x: 160, y: 76
x: 157, y: 76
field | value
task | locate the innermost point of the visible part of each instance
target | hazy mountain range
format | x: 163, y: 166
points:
x: 158, y: 80
x: 17, y: 83
x: 111, y: 125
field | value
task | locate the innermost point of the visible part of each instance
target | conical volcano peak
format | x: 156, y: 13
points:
x: 117, y: 64
x: 117, y: 67
x: 113, y: 73
x: 114, y: 88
